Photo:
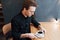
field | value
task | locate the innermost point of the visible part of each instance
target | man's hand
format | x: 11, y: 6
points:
x: 31, y: 35
x: 41, y: 28
x: 28, y: 35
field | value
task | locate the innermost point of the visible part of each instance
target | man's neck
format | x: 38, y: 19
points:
x: 23, y: 12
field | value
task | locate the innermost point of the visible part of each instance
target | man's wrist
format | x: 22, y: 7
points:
x: 39, y: 27
x: 24, y: 35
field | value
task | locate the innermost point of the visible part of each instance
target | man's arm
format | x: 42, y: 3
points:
x: 37, y: 25
x: 34, y: 22
x: 15, y: 29
x: 17, y: 34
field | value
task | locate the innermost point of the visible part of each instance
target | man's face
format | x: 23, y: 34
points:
x: 30, y: 11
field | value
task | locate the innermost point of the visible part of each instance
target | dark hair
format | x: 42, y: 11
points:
x: 28, y: 3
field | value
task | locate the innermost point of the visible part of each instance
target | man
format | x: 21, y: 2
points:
x: 21, y: 22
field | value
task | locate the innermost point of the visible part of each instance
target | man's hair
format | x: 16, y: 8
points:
x: 28, y: 3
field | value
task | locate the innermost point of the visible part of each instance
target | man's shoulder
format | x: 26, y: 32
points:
x: 17, y: 17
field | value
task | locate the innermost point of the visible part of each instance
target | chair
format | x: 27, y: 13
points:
x: 6, y: 29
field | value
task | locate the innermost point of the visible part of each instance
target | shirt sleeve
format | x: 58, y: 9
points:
x: 35, y: 23
x: 15, y: 29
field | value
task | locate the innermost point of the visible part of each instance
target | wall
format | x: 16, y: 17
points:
x: 47, y: 9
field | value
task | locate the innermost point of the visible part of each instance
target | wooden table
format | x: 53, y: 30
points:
x: 52, y: 31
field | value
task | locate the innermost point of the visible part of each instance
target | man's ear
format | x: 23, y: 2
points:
x: 24, y: 8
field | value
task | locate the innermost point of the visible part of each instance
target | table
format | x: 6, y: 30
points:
x: 52, y: 30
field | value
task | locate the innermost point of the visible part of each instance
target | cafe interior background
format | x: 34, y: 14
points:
x: 47, y: 11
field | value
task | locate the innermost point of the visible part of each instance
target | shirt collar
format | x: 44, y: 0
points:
x: 23, y: 15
